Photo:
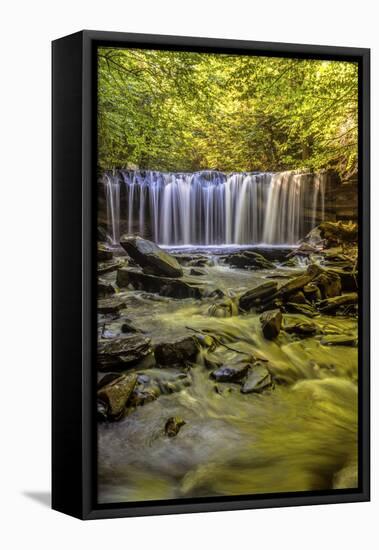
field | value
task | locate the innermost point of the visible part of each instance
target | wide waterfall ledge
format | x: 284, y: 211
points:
x: 211, y: 208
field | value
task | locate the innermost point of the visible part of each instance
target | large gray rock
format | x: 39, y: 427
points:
x: 151, y: 257
x: 121, y: 353
x: 257, y: 380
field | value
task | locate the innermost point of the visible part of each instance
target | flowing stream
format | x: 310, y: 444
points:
x: 214, y: 208
x: 299, y: 436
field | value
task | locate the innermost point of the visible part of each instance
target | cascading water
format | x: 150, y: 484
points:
x: 213, y: 208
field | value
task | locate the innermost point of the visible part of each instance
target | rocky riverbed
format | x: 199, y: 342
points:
x: 226, y: 371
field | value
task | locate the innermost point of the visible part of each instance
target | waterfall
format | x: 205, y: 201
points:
x: 112, y: 193
x: 214, y: 208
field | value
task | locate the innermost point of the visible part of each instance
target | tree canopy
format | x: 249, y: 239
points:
x: 186, y: 111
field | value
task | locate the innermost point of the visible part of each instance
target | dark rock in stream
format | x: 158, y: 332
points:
x: 222, y: 311
x: 121, y: 353
x: 339, y: 340
x: 248, y: 259
x: 312, y: 292
x: 233, y: 373
x: 299, y: 282
x: 298, y: 297
x: 252, y: 298
x: 104, y: 288
x: 151, y: 257
x: 127, y: 327
x: 258, y: 379
x: 173, y: 426
x: 110, y: 305
x: 329, y: 284
x: 331, y: 305
x: 348, y: 278
x: 196, y: 272
x: 103, y: 253
x: 177, y: 352
x: 301, y: 328
x: 271, y: 322
x: 116, y: 394
x: 107, y: 267
x: 165, y: 286
x: 303, y: 309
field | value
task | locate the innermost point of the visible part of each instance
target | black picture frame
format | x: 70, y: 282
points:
x: 74, y: 267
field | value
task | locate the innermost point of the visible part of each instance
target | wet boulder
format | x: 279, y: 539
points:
x: 103, y: 253
x: 248, y: 260
x: 222, y: 311
x: 173, y: 426
x: 165, y: 286
x: 108, y: 267
x: 151, y: 257
x: 303, y: 309
x: 271, y: 323
x: 195, y: 272
x: 257, y: 380
x: 311, y: 292
x: 110, y: 305
x: 301, y: 328
x: 338, y: 232
x: 104, y: 288
x: 176, y: 352
x: 253, y: 297
x: 329, y: 284
x: 298, y: 297
x: 115, y: 396
x: 299, y: 282
x: 348, y: 278
x: 232, y: 373
x: 331, y: 305
x: 121, y: 353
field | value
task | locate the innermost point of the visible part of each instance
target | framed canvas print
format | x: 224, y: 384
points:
x: 210, y: 274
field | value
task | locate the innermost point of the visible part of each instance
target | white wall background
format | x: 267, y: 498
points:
x: 26, y: 31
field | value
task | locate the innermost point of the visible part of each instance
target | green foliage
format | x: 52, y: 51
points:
x: 184, y: 111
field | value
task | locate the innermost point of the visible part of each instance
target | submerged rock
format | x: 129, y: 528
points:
x: 165, y: 286
x: 257, y: 380
x: 120, y: 353
x: 176, y: 352
x: 173, y: 426
x: 252, y: 298
x: 116, y: 394
x: 151, y: 257
x: 233, y: 373
x: 339, y: 340
x: 271, y: 323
